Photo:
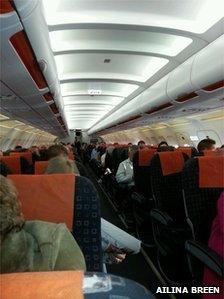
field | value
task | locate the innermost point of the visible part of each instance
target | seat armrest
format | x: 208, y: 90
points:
x: 161, y: 217
x: 206, y: 255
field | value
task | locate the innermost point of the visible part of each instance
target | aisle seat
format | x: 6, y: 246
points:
x: 141, y: 169
x: 170, y: 229
x: 203, y: 183
x: 40, y: 167
x: 190, y: 151
x: 13, y: 163
x: 65, y: 198
x: 26, y: 155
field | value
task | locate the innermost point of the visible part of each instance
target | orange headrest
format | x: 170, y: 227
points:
x: 211, y: 172
x: 171, y: 162
x: 46, y: 197
x: 26, y: 155
x: 40, y: 167
x: 145, y: 156
x: 12, y: 162
x: 40, y: 285
x: 186, y: 150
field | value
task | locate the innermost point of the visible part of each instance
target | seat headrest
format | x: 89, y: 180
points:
x: 36, y: 285
x: 47, y: 197
x: 144, y: 156
x: 13, y: 163
x: 40, y: 167
x: 186, y: 150
x: 211, y: 171
x: 171, y: 162
x: 26, y: 155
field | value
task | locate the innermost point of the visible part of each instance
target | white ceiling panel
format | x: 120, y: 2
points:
x: 190, y: 15
x: 121, y: 67
x: 108, y: 52
x: 106, y: 88
x: 109, y: 100
x: 118, y: 40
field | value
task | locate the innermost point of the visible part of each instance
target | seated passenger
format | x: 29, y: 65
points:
x: 59, y: 161
x: 216, y: 243
x: 30, y: 246
x: 124, y: 175
x: 206, y: 144
x: 35, y: 153
x: 141, y: 144
x: 162, y: 144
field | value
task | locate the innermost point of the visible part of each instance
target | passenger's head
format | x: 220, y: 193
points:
x: 206, y: 144
x: 59, y: 165
x: 162, y: 143
x: 57, y: 150
x: 132, y: 150
x: 11, y: 216
x: 130, y: 144
x: 34, y: 149
x: 141, y: 144
x: 18, y: 148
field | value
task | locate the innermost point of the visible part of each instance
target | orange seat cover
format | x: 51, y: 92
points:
x: 42, y: 285
x: 26, y: 155
x: 47, y: 197
x: 145, y: 156
x: 186, y: 150
x: 40, y: 167
x: 211, y: 172
x: 13, y: 163
x: 171, y: 162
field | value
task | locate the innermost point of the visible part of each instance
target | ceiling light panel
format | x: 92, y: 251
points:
x: 192, y: 15
x: 112, y: 101
x: 122, y: 67
x: 107, y: 88
x: 118, y: 40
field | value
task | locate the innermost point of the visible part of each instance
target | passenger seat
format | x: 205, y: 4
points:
x: 65, y: 198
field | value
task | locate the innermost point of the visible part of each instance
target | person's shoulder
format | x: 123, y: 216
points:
x: 44, y: 231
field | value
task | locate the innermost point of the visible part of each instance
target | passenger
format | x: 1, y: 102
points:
x: 4, y: 170
x: 216, y: 241
x: 130, y: 144
x: 59, y: 161
x: 35, y: 153
x: 141, y: 144
x: 18, y: 148
x: 162, y: 144
x: 31, y: 246
x: 206, y: 144
x: 124, y: 175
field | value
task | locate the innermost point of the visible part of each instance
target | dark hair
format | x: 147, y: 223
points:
x: 141, y: 141
x: 56, y: 150
x: 205, y: 144
x: 164, y: 148
x: 162, y: 143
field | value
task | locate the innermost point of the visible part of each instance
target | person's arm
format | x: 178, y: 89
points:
x: 122, y: 176
x: 70, y: 256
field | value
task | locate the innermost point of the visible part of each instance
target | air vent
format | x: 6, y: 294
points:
x: 107, y: 60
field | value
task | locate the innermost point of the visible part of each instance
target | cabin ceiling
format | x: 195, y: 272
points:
x: 108, y: 52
